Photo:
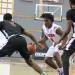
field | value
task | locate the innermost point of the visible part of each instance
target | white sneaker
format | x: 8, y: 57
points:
x: 60, y: 73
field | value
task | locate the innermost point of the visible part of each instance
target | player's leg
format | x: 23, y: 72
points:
x: 3, y: 53
x: 57, y: 57
x: 11, y: 46
x: 31, y: 62
x: 50, y: 62
x: 49, y: 59
x: 59, y: 62
x: 35, y: 66
x: 23, y: 52
x: 8, y: 49
x: 65, y: 59
x: 72, y: 58
x: 69, y: 50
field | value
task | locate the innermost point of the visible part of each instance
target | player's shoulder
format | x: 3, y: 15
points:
x: 70, y: 14
x: 17, y: 24
x: 71, y: 11
x: 55, y: 25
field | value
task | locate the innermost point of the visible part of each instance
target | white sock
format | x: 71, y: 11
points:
x: 60, y: 69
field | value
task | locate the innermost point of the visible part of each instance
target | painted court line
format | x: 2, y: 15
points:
x: 4, y: 69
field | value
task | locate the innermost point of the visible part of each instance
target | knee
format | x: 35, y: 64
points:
x: 48, y: 60
x: 56, y: 54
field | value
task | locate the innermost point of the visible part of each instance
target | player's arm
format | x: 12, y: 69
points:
x: 60, y: 33
x: 69, y: 25
x: 43, y: 38
x: 68, y: 28
x: 30, y: 36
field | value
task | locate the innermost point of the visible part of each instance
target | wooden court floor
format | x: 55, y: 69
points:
x: 18, y: 67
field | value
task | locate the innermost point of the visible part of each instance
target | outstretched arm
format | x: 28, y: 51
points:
x: 35, y: 66
x: 66, y: 32
x: 59, y: 31
x: 43, y: 38
x: 31, y: 37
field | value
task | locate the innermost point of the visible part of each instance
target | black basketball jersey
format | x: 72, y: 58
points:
x: 10, y: 29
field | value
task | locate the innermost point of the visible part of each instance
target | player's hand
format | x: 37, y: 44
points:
x: 60, y: 47
x: 55, y: 43
x: 37, y: 45
x: 41, y: 46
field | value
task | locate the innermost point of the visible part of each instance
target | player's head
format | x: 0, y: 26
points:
x: 7, y: 16
x: 48, y: 16
x: 48, y: 19
x: 72, y: 2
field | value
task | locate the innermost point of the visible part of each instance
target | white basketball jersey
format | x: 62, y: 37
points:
x: 3, y: 40
x: 50, y: 33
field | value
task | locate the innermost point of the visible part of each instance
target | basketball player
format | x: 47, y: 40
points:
x: 70, y: 47
x: 16, y: 41
x: 50, y: 30
x: 72, y: 58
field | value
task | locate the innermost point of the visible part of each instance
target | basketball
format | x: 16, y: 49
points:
x: 31, y: 48
x: 42, y: 46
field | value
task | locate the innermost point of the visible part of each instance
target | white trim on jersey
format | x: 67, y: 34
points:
x: 3, y: 40
x: 73, y: 35
x: 69, y: 43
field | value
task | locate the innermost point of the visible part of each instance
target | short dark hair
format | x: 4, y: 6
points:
x: 7, y: 16
x: 48, y: 16
x: 72, y: 1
